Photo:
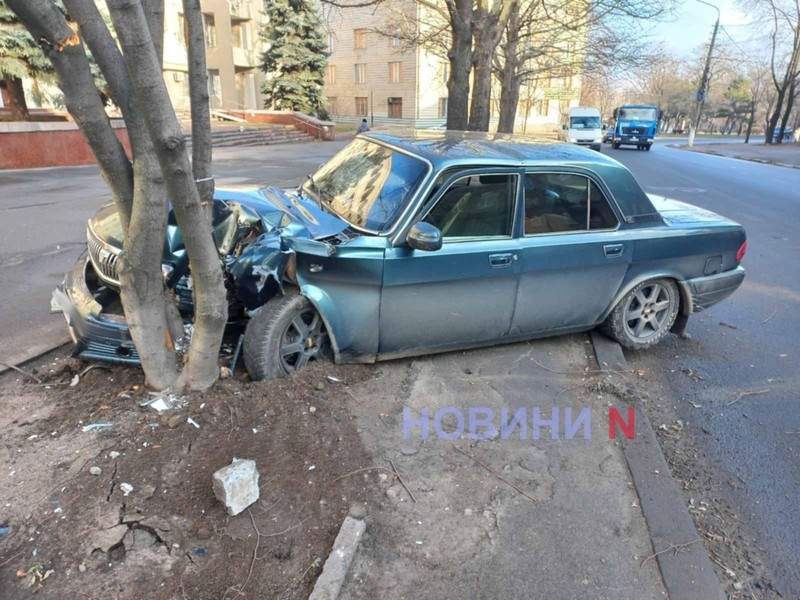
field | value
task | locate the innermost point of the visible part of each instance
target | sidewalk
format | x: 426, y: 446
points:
x: 499, y: 518
x: 784, y: 155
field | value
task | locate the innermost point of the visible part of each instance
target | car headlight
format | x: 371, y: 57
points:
x: 166, y: 271
x: 598, y: 140
x: 571, y: 140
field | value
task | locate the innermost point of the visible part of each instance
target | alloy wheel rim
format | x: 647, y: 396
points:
x: 302, y: 341
x: 648, y: 311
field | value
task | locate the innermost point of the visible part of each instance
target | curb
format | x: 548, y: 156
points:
x: 330, y: 582
x: 34, y: 353
x: 753, y: 159
x: 685, y: 568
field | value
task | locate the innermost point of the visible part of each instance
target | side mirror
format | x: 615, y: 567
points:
x: 424, y: 236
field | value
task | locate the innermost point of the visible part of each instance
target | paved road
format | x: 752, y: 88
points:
x: 756, y: 439
x: 43, y: 215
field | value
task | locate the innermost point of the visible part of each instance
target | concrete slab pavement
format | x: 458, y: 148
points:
x: 499, y: 518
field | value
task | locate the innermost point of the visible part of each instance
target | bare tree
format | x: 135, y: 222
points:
x: 161, y: 168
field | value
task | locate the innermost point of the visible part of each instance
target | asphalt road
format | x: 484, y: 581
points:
x: 43, y: 215
x: 749, y: 343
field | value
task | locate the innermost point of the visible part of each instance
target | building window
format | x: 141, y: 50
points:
x: 239, y: 35
x: 361, y: 106
x: 395, y: 72
x: 395, y: 108
x: 444, y: 71
x: 361, y: 72
x: 210, y: 30
x: 361, y: 38
x: 396, y: 39
x: 214, y: 89
x: 330, y: 42
x: 442, y: 108
x: 330, y: 77
x: 180, y: 32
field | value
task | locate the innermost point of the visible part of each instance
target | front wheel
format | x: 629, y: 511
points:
x: 647, y: 147
x: 644, y: 315
x: 285, y: 335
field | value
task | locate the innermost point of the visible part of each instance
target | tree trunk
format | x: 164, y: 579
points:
x: 750, y: 122
x: 201, y: 369
x: 201, y: 114
x: 772, y: 122
x: 16, y: 100
x: 509, y: 80
x: 460, y: 55
x: 790, y: 98
x: 479, y: 110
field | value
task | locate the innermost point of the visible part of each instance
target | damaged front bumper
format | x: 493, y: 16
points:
x: 87, y: 304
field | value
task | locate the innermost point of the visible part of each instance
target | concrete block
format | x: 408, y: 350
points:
x: 236, y: 485
x: 330, y: 582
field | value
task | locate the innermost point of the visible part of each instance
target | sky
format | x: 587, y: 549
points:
x: 694, y: 22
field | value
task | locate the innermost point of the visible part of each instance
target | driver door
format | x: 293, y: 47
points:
x: 464, y: 293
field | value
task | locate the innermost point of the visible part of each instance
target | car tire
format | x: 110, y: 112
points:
x: 647, y: 147
x: 615, y: 145
x: 284, y: 336
x: 644, y: 315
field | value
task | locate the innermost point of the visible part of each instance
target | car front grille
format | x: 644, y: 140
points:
x: 632, y: 130
x: 104, y: 258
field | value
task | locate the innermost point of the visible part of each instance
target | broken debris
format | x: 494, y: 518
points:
x: 236, y: 485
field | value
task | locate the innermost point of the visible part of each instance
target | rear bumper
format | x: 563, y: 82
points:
x: 96, y: 336
x: 707, y: 291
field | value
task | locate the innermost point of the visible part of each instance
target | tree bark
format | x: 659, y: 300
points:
x: 201, y: 369
x: 488, y: 30
x: 16, y: 98
x: 790, y: 98
x: 201, y: 113
x: 509, y: 80
x: 460, y: 55
x: 153, y: 325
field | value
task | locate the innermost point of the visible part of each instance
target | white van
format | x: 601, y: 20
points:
x: 583, y: 127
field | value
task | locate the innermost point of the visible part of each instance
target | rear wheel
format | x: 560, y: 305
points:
x: 644, y: 315
x: 615, y: 145
x: 285, y: 335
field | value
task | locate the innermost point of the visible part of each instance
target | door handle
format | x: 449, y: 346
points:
x: 501, y: 260
x: 613, y: 250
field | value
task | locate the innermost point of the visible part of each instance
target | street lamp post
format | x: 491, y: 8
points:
x: 703, y: 91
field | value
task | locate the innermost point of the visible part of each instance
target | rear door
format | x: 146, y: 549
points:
x: 574, y: 257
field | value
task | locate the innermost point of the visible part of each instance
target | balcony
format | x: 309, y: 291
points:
x: 244, y: 58
x: 240, y: 10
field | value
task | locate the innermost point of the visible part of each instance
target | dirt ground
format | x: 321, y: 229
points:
x: 70, y: 527
x: 737, y: 559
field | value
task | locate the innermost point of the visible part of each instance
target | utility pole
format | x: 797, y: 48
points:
x: 703, y: 91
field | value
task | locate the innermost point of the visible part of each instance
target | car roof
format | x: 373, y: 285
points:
x: 443, y: 148
x: 446, y: 149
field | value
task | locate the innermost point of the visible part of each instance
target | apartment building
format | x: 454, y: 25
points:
x: 233, y: 51
x: 376, y: 72
x: 373, y: 73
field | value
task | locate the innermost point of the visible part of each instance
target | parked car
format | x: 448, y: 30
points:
x: 410, y: 244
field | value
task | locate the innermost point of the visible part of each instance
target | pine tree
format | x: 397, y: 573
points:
x: 20, y: 57
x: 296, y: 58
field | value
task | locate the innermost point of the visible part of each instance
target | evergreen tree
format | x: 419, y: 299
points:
x: 296, y: 58
x: 20, y: 57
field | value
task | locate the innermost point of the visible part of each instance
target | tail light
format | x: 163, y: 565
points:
x: 741, y: 252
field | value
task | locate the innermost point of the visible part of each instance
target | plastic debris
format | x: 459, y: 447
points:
x: 334, y: 379
x: 126, y: 488
x: 164, y: 402
x: 5, y: 530
x: 75, y: 380
x: 94, y: 426
x: 199, y: 551
x: 191, y: 421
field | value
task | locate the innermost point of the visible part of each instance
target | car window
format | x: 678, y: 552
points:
x: 476, y: 206
x: 367, y: 184
x: 559, y: 202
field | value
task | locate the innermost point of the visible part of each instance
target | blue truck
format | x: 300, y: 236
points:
x: 636, y: 125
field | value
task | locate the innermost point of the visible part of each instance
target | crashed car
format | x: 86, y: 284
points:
x: 431, y: 241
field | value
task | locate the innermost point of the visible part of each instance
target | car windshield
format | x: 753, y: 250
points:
x: 638, y: 114
x: 584, y: 123
x: 367, y: 184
